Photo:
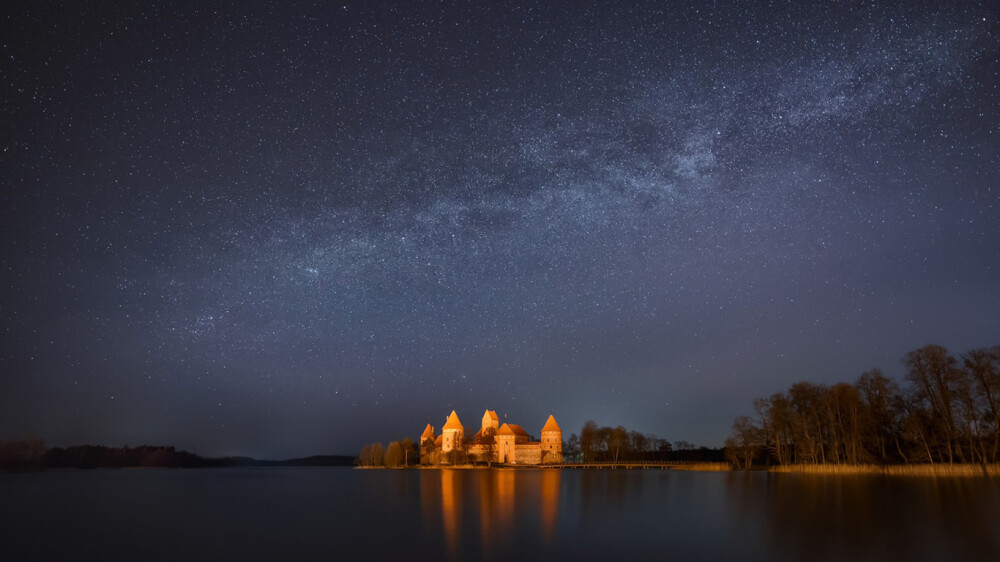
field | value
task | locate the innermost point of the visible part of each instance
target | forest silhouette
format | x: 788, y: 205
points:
x: 946, y: 411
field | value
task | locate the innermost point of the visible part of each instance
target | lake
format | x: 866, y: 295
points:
x: 337, y: 513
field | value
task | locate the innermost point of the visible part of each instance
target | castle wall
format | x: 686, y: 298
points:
x: 528, y: 453
x: 479, y: 452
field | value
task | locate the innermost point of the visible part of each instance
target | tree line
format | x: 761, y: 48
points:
x: 397, y: 454
x: 593, y: 445
x: 947, y: 410
x: 31, y: 454
x: 607, y: 444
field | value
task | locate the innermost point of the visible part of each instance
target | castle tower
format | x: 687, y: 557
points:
x: 505, y: 444
x: 551, y: 441
x: 427, y: 439
x: 490, y: 419
x: 427, y: 435
x: 453, y: 433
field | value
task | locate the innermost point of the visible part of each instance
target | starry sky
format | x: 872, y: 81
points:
x: 281, y: 229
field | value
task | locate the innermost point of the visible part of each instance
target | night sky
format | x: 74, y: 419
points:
x: 290, y: 229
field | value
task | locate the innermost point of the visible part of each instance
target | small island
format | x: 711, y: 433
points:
x: 506, y: 444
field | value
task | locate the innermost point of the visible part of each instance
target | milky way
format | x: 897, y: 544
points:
x: 291, y: 229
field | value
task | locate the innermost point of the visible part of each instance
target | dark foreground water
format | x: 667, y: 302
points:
x: 338, y: 513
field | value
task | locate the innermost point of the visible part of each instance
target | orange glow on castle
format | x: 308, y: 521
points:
x: 507, y: 443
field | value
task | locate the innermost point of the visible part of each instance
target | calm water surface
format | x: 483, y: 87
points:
x: 330, y: 513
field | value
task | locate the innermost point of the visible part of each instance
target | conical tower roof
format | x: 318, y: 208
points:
x: 511, y: 429
x: 428, y: 433
x: 551, y: 425
x: 453, y: 422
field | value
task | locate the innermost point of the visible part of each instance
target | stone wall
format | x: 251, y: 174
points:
x: 528, y: 453
x: 551, y: 457
x: 479, y: 452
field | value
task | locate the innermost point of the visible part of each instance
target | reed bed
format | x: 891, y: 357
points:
x: 703, y: 466
x: 964, y: 470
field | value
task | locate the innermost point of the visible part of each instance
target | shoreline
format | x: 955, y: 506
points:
x: 687, y: 467
x: 918, y: 470
x: 948, y: 470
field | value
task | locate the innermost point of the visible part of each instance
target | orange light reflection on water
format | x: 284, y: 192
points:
x: 451, y: 495
x: 490, y: 495
x: 550, y: 503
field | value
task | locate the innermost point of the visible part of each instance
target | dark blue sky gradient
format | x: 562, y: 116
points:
x: 286, y: 229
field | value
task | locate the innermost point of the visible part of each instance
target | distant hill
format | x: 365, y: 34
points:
x: 315, y: 460
x: 31, y: 454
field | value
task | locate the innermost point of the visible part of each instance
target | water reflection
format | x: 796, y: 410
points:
x: 585, y: 515
x: 500, y: 514
x: 515, y: 510
x: 550, y: 504
x: 870, y: 517
x: 451, y: 495
x: 500, y: 485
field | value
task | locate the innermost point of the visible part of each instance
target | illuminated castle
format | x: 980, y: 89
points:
x: 507, y: 443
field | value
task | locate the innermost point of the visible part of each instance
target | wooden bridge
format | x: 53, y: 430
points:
x: 643, y: 465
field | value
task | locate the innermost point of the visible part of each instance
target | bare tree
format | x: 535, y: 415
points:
x: 617, y: 442
x: 983, y: 369
x: 806, y: 399
x: 588, y: 441
x: 572, y: 448
x: 878, y: 395
x: 638, y: 445
x: 410, y: 454
x: 393, y: 455
x: 487, y: 438
x: 745, y: 442
x: 934, y: 376
x: 775, y: 416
